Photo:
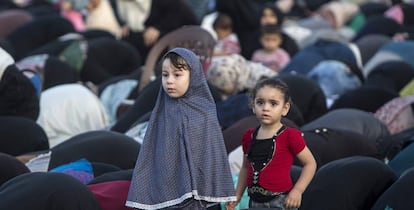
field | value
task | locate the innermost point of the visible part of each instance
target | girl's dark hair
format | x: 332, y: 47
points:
x: 273, y: 83
x: 223, y: 21
x: 177, y: 61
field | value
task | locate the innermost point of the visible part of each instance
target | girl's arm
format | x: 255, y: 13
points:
x: 241, y: 185
x: 294, y: 198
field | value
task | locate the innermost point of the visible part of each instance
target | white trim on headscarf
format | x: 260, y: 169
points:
x: 354, y: 48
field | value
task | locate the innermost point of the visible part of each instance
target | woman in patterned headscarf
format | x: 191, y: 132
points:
x: 183, y: 161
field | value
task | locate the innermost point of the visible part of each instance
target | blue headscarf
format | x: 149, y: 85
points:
x: 183, y: 153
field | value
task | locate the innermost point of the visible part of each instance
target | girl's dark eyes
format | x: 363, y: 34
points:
x: 273, y: 103
x: 166, y: 75
x: 259, y: 102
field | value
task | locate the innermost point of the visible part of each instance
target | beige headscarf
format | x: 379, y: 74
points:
x: 134, y: 13
x: 233, y: 73
x: 102, y: 17
x: 342, y: 11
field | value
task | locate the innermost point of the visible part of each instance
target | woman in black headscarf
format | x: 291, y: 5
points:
x: 307, y: 95
x: 37, y: 33
x: 46, y: 191
x: 97, y: 146
x: 10, y: 167
x: 107, y: 58
x: 368, y: 45
x: 334, y: 185
x: 391, y: 75
x: 378, y: 24
x: 367, y: 98
x: 332, y: 144
x: 18, y: 95
x: 21, y: 135
x: 399, y: 194
x: 403, y: 160
x: 358, y: 121
x: 95, y: 59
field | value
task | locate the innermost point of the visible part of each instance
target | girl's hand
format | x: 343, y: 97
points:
x: 293, y: 199
x: 231, y: 205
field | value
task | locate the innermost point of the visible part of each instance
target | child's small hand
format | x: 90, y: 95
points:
x: 293, y: 199
x: 231, y: 205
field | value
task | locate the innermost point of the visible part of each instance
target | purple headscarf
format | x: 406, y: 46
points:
x: 183, y: 153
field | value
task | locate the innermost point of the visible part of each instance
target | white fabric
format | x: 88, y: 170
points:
x: 341, y: 11
x: 102, y: 17
x: 39, y: 163
x: 134, y: 13
x: 297, y: 33
x: 236, y: 160
x: 68, y: 110
x: 138, y: 132
x: 5, y: 61
x: 357, y: 53
x: 207, y: 23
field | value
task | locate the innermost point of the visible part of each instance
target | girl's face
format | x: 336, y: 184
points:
x: 268, y: 17
x: 270, y: 42
x: 269, y: 105
x: 222, y: 33
x: 175, y: 82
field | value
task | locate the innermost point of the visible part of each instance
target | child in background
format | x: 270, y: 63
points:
x: 182, y: 162
x: 269, y: 151
x: 271, y: 14
x: 74, y: 11
x: 271, y: 55
x: 227, y: 41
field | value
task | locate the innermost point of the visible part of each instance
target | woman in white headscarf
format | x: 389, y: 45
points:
x: 68, y: 110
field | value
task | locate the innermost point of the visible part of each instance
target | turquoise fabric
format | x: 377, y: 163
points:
x: 244, y: 202
x: 80, y: 169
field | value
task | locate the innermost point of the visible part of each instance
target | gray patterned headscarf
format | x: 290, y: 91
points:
x: 183, y: 154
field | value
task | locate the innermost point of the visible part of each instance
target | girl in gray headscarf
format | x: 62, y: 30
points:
x: 182, y: 163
